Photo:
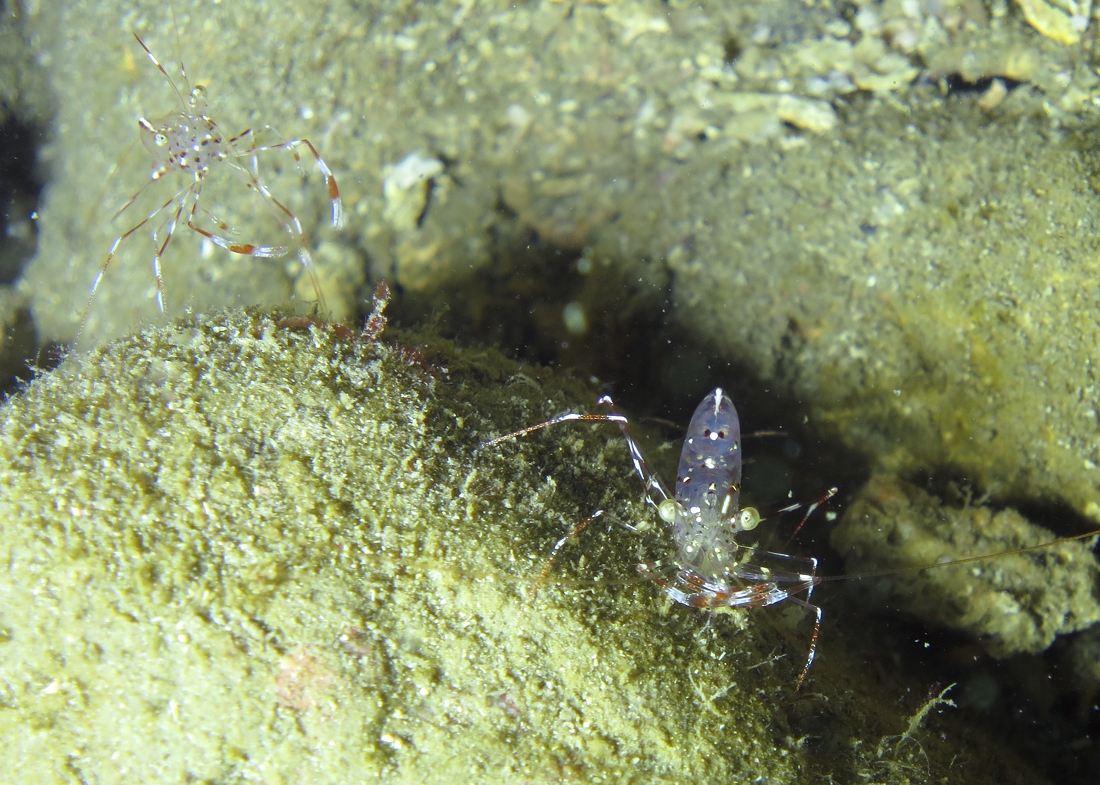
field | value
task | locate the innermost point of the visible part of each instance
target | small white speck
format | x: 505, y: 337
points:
x: 575, y: 319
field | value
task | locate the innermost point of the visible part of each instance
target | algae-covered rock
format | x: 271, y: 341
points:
x: 932, y: 303
x: 243, y: 549
x: 241, y: 552
x: 567, y: 116
x: 1014, y: 603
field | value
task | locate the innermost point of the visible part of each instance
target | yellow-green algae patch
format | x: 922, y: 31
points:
x: 243, y: 553
x: 236, y: 552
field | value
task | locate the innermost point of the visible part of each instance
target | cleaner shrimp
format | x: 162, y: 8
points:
x: 189, y: 141
x: 710, y: 569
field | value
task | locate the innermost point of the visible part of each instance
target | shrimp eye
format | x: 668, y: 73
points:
x: 748, y: 518
x: 668, y: 510
x: 161, y: 139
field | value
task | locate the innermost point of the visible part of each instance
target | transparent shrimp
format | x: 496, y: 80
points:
x: 710, y: 569
x: 189, y: 141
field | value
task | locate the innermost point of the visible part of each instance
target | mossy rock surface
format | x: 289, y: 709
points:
x: 240, y: 552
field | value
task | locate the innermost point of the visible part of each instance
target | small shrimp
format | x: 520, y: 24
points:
x: 188, y: 140
x: 710, y: 568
